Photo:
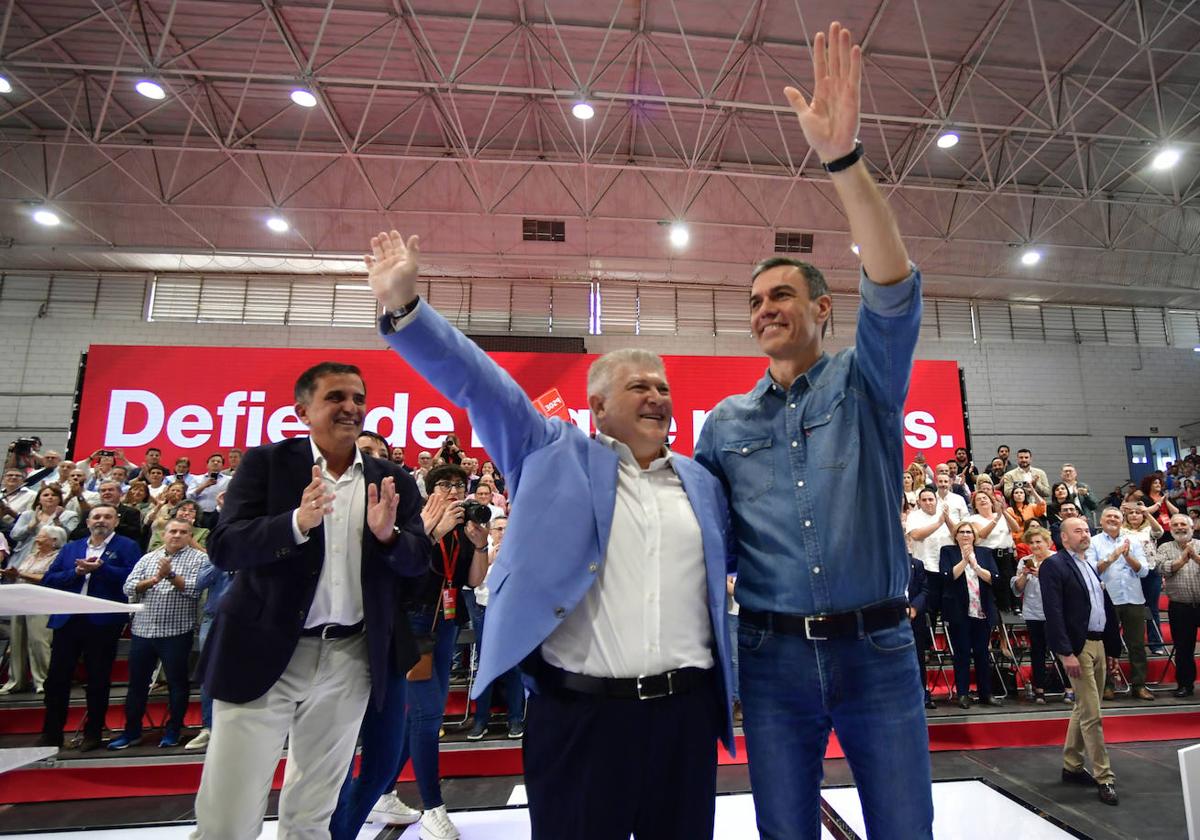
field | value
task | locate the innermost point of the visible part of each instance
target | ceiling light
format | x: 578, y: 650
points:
x: 1031, y: 257
x: 5, y: 85
x: 854, y: 247
x: 1165, y: 159
x: 46, y: 217
x: 150, y: 89
x: 948, y: 140
x: 277, y: 224
x: 583, y: 111
x: 304, y: 98
x: 679, y: 235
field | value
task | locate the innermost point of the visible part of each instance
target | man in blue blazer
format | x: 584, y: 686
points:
x: 611, y: 589
x: 1084, y: 632
x: 319, y: 537
x: 96, y: 566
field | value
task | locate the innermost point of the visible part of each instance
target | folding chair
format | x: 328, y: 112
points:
x: 937, y: 631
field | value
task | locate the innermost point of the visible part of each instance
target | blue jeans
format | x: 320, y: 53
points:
x: 733, y: 652
x: 205, y: 697
x: 382, y: 736
x: 1152, y: 588
x: 868, y: 689
x: 426, y: 709
x: 509, y: 681
x: 144, y: 655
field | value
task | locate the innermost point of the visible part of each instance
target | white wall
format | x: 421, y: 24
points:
x: 1066, y: 402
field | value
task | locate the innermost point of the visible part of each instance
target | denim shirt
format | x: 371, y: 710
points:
x: 813, y: 471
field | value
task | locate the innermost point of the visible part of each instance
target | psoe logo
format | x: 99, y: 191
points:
x: 920, y: 432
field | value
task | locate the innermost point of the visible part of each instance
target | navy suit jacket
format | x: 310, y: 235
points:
x: 918, y: 589
x: 258, y: 622
x: 954, y: 592
x: 1068, y: 606
x: 120, y: 556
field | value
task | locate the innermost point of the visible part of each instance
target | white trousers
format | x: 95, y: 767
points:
x: 317, y: 704
x: 30, y: 644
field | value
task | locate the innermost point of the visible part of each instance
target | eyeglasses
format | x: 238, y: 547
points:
x: 450, y: 485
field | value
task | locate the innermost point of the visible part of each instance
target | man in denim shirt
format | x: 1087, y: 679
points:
x: 811, y: 459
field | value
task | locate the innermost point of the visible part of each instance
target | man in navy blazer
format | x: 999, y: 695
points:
x: 611, y: 589
x: 319, y: 538
x: 1083, y: 631
x: 918, y: 603
x: 96, y: 566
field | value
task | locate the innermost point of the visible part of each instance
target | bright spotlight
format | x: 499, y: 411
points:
x: 948, y: 140
x: 1031, y: 257
x: 150, y: 89
x: 1165, y: 159
x: 583, y: 111
x: 46, y: 217
x: 854, y: 247
x: 5, y: 85
x: 679, y: 235
x: 304, y: 98
x: 277, y: 224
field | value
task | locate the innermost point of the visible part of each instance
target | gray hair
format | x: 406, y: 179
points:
x: 600, y: 374
x: 54, y: 532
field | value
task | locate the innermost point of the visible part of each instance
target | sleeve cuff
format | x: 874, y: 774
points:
x: 299, y: 537
x: 389, y: 324
x: 893, y: 300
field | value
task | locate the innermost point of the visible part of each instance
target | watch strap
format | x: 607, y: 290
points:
x: 406, y: 308
x: 846, y: 161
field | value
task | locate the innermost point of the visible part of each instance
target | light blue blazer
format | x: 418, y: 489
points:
x: 563, y: 489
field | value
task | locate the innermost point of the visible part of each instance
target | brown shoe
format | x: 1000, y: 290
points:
x: 1143, y: 693
x: 1108, y: 693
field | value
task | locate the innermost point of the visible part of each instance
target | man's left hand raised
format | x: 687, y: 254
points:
x: 382, y: 502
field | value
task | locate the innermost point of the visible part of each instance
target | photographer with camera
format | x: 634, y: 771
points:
x: 24, y: 454
x: 1025, y: 473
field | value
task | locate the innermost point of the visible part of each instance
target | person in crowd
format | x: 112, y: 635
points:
x: 234, y: 460
x: 48, y: 510
x: 15, y: 498
x: 928, y: 527
x: 156, y: 484
x: 1062, y: 512
x: 1002, y: 454
x: 996, y: 471
x: 160, y: 511
x: 917, y: 600
x: 424, y: 465
x: 120, y: 475
x: 319, y: 538
x: 1156, y: 501
x: 910, y: 489
x: 1083, y: 631
x: 966, y: 467
x: 1179, y: 562
x: 488, y: 470
x: 1080, y: 493
x: 183, y: 472
x: 1122, y: 563
x: 79, y: 499
x: 24, y: 455
x: 189, y: 511
x: 958, y: 482
x: 968, y: 572
x: 1026, y: 508
x: 510, y: 682
x: 958, y: 488
x: 59, y: 478
x: 1144, y: 529
x: 822, y: 566
x: 95, y: 566
x: 919, y: 479
x: 498, y: 499
x: 994, y: 531
x: 212, y: 584
x: 484, y: 492
x: 925, y: 470
x: 373, y: 444
x: 31, y: 634
x: 129, y: 519
x: 46, y: 471
x: 1026, y: 585
x: 953, y: 502
x: 1027, y: 474
x: 985, y: 484
x: 101, y: 463
x: 397, y: 456
x: 138, y: 497
x: 450, y: 452
x: 164, y: 582
x: 562, y: 601
x: 203, y: 489
x: 153, y: 458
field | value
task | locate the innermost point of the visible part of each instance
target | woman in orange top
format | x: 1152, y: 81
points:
x: 1028, y: 507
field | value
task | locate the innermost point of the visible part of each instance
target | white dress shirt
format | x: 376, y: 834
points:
x: 206, y: 498
x: 338, y: 599
x: 998, y: 537
x: 94, y: 552
x: 647, y: 612
x: 1086, y: 566
x: 956, y: 503
x: 928, y: 550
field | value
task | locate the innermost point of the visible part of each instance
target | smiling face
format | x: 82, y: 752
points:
x: 1110, y: 521
x: 964, y: 535
x: 635, y: 409
x: 334, y: 414
x: 784, y: 321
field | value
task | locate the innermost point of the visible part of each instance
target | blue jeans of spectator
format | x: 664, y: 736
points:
x: 144, y: 656
x: 1152, y: 589
x: 509, y: 681
x: 733, y: 652
x: 205, y: 697
x: 794, y: 691
x: 426, y: 709
x: 382, y: 737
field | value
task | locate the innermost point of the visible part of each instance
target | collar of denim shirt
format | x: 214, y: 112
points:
x: 810, y: 376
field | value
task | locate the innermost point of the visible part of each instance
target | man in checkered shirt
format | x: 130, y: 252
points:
x: 164, y: 582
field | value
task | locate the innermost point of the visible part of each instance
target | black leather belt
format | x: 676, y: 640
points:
x: 679, y: 681
x: 847, y: 625
x: 333, y: 631
x: 1093, y: 636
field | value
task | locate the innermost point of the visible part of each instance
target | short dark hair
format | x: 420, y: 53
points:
x: 306, y: 384
x: 158, y: 467
x: 444, y: 472
x: 375, y: 436
x: 962, y: 449
x: 926, y: 489
x: 1003, y: 446
x: 97, y: 507
x: 153, y: 449
x: 1026, y: 451
x: 812, y: 277
x: 216, y: 455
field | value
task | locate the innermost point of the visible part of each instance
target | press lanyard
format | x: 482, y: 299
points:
x: 449, y: 564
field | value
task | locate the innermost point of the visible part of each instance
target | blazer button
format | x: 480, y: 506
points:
x: 593, y: 567
x: 559, y: 612
x: 300, y: 614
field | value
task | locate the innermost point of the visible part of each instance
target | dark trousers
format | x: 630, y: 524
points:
x: 602, y: 769
x: 1152, y: 588
x: 1184, y: 619
x: 97, y: 644
x: 970, y: 636
x: 1037, y: 652
x: 144, y: 656
x: 920, y: 631
x: 1006, y: 562
x: 1133, y: 629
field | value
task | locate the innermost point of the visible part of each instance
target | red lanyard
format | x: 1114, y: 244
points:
x: 449, y: 565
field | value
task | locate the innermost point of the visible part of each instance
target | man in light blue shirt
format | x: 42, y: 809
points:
x: 811, y: 459
x: 1122, y: 564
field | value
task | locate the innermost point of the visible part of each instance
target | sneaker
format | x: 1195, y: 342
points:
x: 388, y: 809
x: 199, y: 742
x: 436, y: 825
x: 1068, y: 696
x: 168, y: 741
x: 123, y: 741
x: 516, y: 729
x: 477, y: 731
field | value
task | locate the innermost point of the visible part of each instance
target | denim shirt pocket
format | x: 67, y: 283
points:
x: 748, y: 466
x: 831, y: 431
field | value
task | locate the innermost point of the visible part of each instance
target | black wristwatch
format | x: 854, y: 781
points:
x: 845, y: 161
x: 406, y: 308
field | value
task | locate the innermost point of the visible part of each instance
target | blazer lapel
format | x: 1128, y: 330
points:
x: 602, y: 472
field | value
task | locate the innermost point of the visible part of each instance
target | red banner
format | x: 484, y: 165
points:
x: 198, y: 400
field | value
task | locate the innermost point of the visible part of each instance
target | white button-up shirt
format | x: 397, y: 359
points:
x: 928, y: 550
x: 1091, y: 579
x: 1124, y: 585
x: 338, y: 599
x: 206, y: 498
x: 647, y: 611
x: 94, y: 552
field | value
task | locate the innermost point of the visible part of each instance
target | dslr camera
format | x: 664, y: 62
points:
x: 23, y: 446
x: 476, y: 512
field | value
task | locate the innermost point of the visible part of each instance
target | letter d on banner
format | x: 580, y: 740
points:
x: 118, y: 405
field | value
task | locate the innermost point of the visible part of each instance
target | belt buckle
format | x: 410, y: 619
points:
x: 808, y: 631
x: 643, y: 695
x: 325, y: 631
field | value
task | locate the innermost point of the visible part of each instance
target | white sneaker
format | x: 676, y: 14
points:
x: 391, y: 811
x: 436, y: 825
x: 199, y: 742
